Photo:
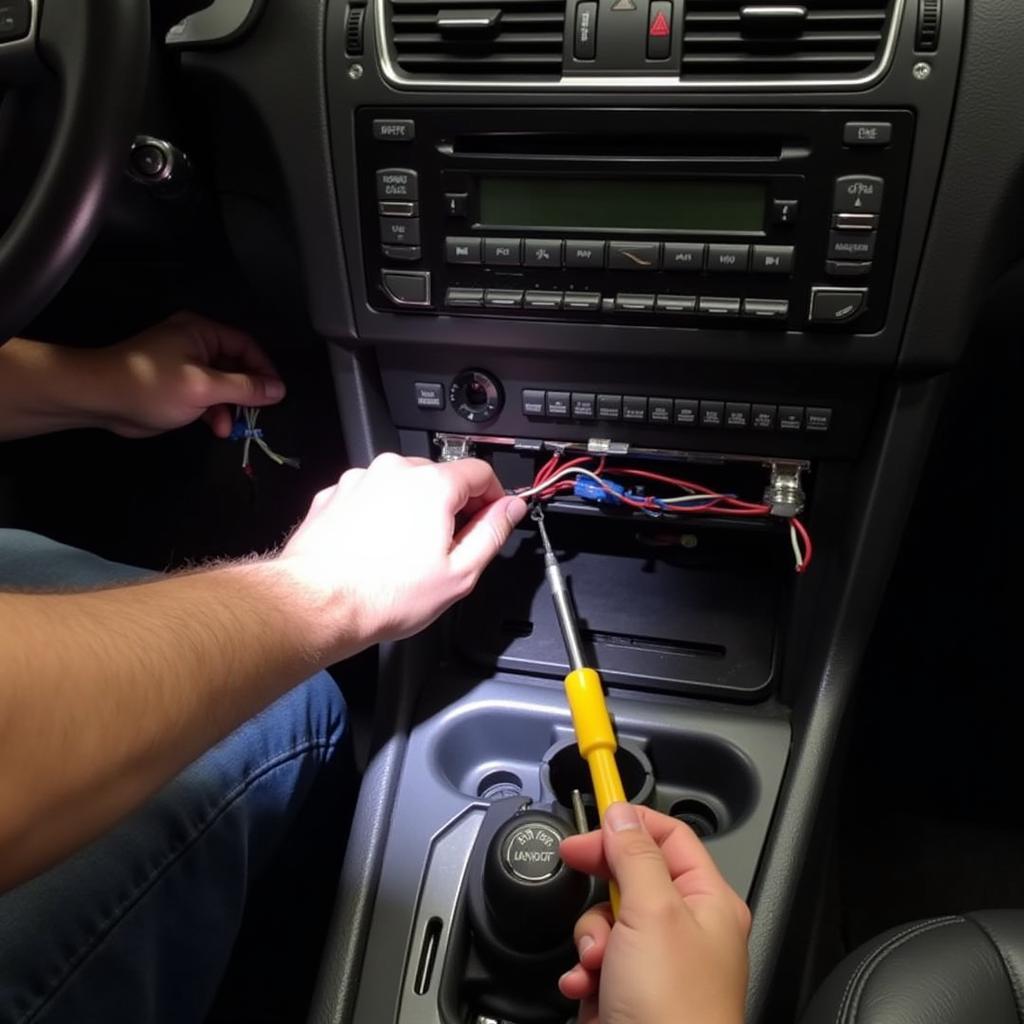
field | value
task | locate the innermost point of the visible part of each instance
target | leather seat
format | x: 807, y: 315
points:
x: 962, y: 969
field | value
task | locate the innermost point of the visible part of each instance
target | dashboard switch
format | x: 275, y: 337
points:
x: 858, y: 193
x: 533, y: 402
x: 634, y: 255
x: 837, y: 305
x: 397, y: 183
x: 867, y: 133
x: 659, y: 30
x: 712, y: 414
x: 634, y: 408
x: 429, y: 395
x: 729, y: 259
x: 773, y: 259
x: 609, y: 407
x: 463, y: 250
x: 583, y: 407
x: 852, y: 245
x: 15, y: 20
x: 686, y: 411
x: 558, y: 404
x: 585, y: 40
x: 393, y: 129
x: 400, y: 230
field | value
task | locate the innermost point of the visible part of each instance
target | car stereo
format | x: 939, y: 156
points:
x: 777, y: 219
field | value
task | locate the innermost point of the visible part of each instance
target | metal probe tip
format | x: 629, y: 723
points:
x: 579, y: 812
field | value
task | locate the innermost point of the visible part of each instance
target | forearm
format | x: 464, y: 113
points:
x: 104, y: 696
x: 44, y: 388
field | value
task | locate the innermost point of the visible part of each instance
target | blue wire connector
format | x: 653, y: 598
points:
x: 591, y: 490
x: 241, y: 430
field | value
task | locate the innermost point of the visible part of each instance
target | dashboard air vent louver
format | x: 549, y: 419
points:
x: 813, y: 39
x: 456, y: 39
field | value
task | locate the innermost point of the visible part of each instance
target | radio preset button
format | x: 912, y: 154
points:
x: 583, y: 302
x: 583, y: 405
x: 628, y: 303
x: 462, y: 250
x: 676, y: 303
x: 686, y: 412
x: 543, y: 300
x: 858, y: 193
x: 634, y: 408
x: 397, y: 183
x: 543, y: 252
x: 659, y: 410
x: 503, y: 252
x: 585, y: 41
x: 634, y: 255
x: 728, y: 259
x: 712, y: 414
x: 773, y: 259
x: 609, y: 407
x: 683, y: 256
x: 851, y: 245
x: 717, y: 306
x: 585, y: 253
x: 459, y: 298
x: 503, y: 298
x: 400, y: 230
x: 766, y: 309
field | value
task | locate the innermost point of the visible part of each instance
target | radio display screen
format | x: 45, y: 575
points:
x: 645, y: 204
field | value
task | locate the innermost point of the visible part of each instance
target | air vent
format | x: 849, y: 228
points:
x: 813, y: 40
x: 512, y: 39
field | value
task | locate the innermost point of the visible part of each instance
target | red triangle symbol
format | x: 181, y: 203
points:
x: 660, y: 27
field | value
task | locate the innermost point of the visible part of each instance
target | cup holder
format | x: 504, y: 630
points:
x: 562, y: 770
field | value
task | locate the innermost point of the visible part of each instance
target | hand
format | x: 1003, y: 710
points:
x: 394, y: 545
x: 184, y: 369
x: 678, y: 951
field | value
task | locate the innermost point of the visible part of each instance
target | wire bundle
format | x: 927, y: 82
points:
x: 246, y: 431
x: 555, y: 478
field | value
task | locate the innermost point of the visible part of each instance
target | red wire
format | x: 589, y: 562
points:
x: 808, y: 546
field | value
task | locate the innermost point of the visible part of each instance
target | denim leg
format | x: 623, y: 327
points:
x: 138, y: 926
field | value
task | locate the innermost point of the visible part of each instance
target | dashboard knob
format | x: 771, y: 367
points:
x: 476, y: 396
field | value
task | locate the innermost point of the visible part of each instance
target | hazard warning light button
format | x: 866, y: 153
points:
x: 659, y: 30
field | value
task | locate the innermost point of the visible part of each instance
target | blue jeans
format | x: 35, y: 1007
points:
x: 139, y: 925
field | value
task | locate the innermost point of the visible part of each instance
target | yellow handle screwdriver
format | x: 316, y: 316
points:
x: 594, y: 733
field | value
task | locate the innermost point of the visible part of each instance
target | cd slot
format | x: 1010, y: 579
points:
x: 683, y: 148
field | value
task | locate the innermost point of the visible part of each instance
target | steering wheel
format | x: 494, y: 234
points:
x: 98, y: 50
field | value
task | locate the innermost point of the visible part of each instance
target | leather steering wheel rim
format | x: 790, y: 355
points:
x: 99, y: 51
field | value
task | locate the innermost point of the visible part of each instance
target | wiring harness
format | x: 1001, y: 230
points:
x: 595, y: 483
x: 246, y: 431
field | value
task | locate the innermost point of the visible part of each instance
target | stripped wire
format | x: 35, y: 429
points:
x: 246, y: 431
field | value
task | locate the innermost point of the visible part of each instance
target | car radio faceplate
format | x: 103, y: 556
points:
x: 778, y: 220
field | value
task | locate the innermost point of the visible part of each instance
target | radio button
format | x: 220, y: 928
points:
x: 503, y: 298
x: 848, y: 245
x: 459, y: 298
x: 609, y: 407
x: 585, y: 253
x: 397, y: 183
x: 462, y: 250
x: 583, y: 302
x: 503, y: 252
x: 712, y: 414
x: 634, y: 255
x: 634, y: 408
x: 867, y: 133
x: 676, y: 303
x: 543, y: 300
x: 407, y: 253
x: 456, y: 204
x: 719, y: 306
x: 686, y: 411
x: 626, y: 303
x: 393, y: 129
x: 543, y: 252
x: 773, y: 259
x: 858, y: 193
x: 683, y: 256
x: 400, y: 230
x: 659, y: 410
x: 848, y: 268
x: 583, y: 405
x: 728, y: 259
x: 785, y: 211
x: 766, y: 309
x: 837, y: 305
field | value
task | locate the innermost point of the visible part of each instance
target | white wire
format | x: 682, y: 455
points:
x: 794, y: 540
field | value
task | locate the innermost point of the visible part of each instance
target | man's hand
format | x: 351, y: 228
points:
x: 678, y: 951
x: 178, y: 371
x: 391, y: 547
